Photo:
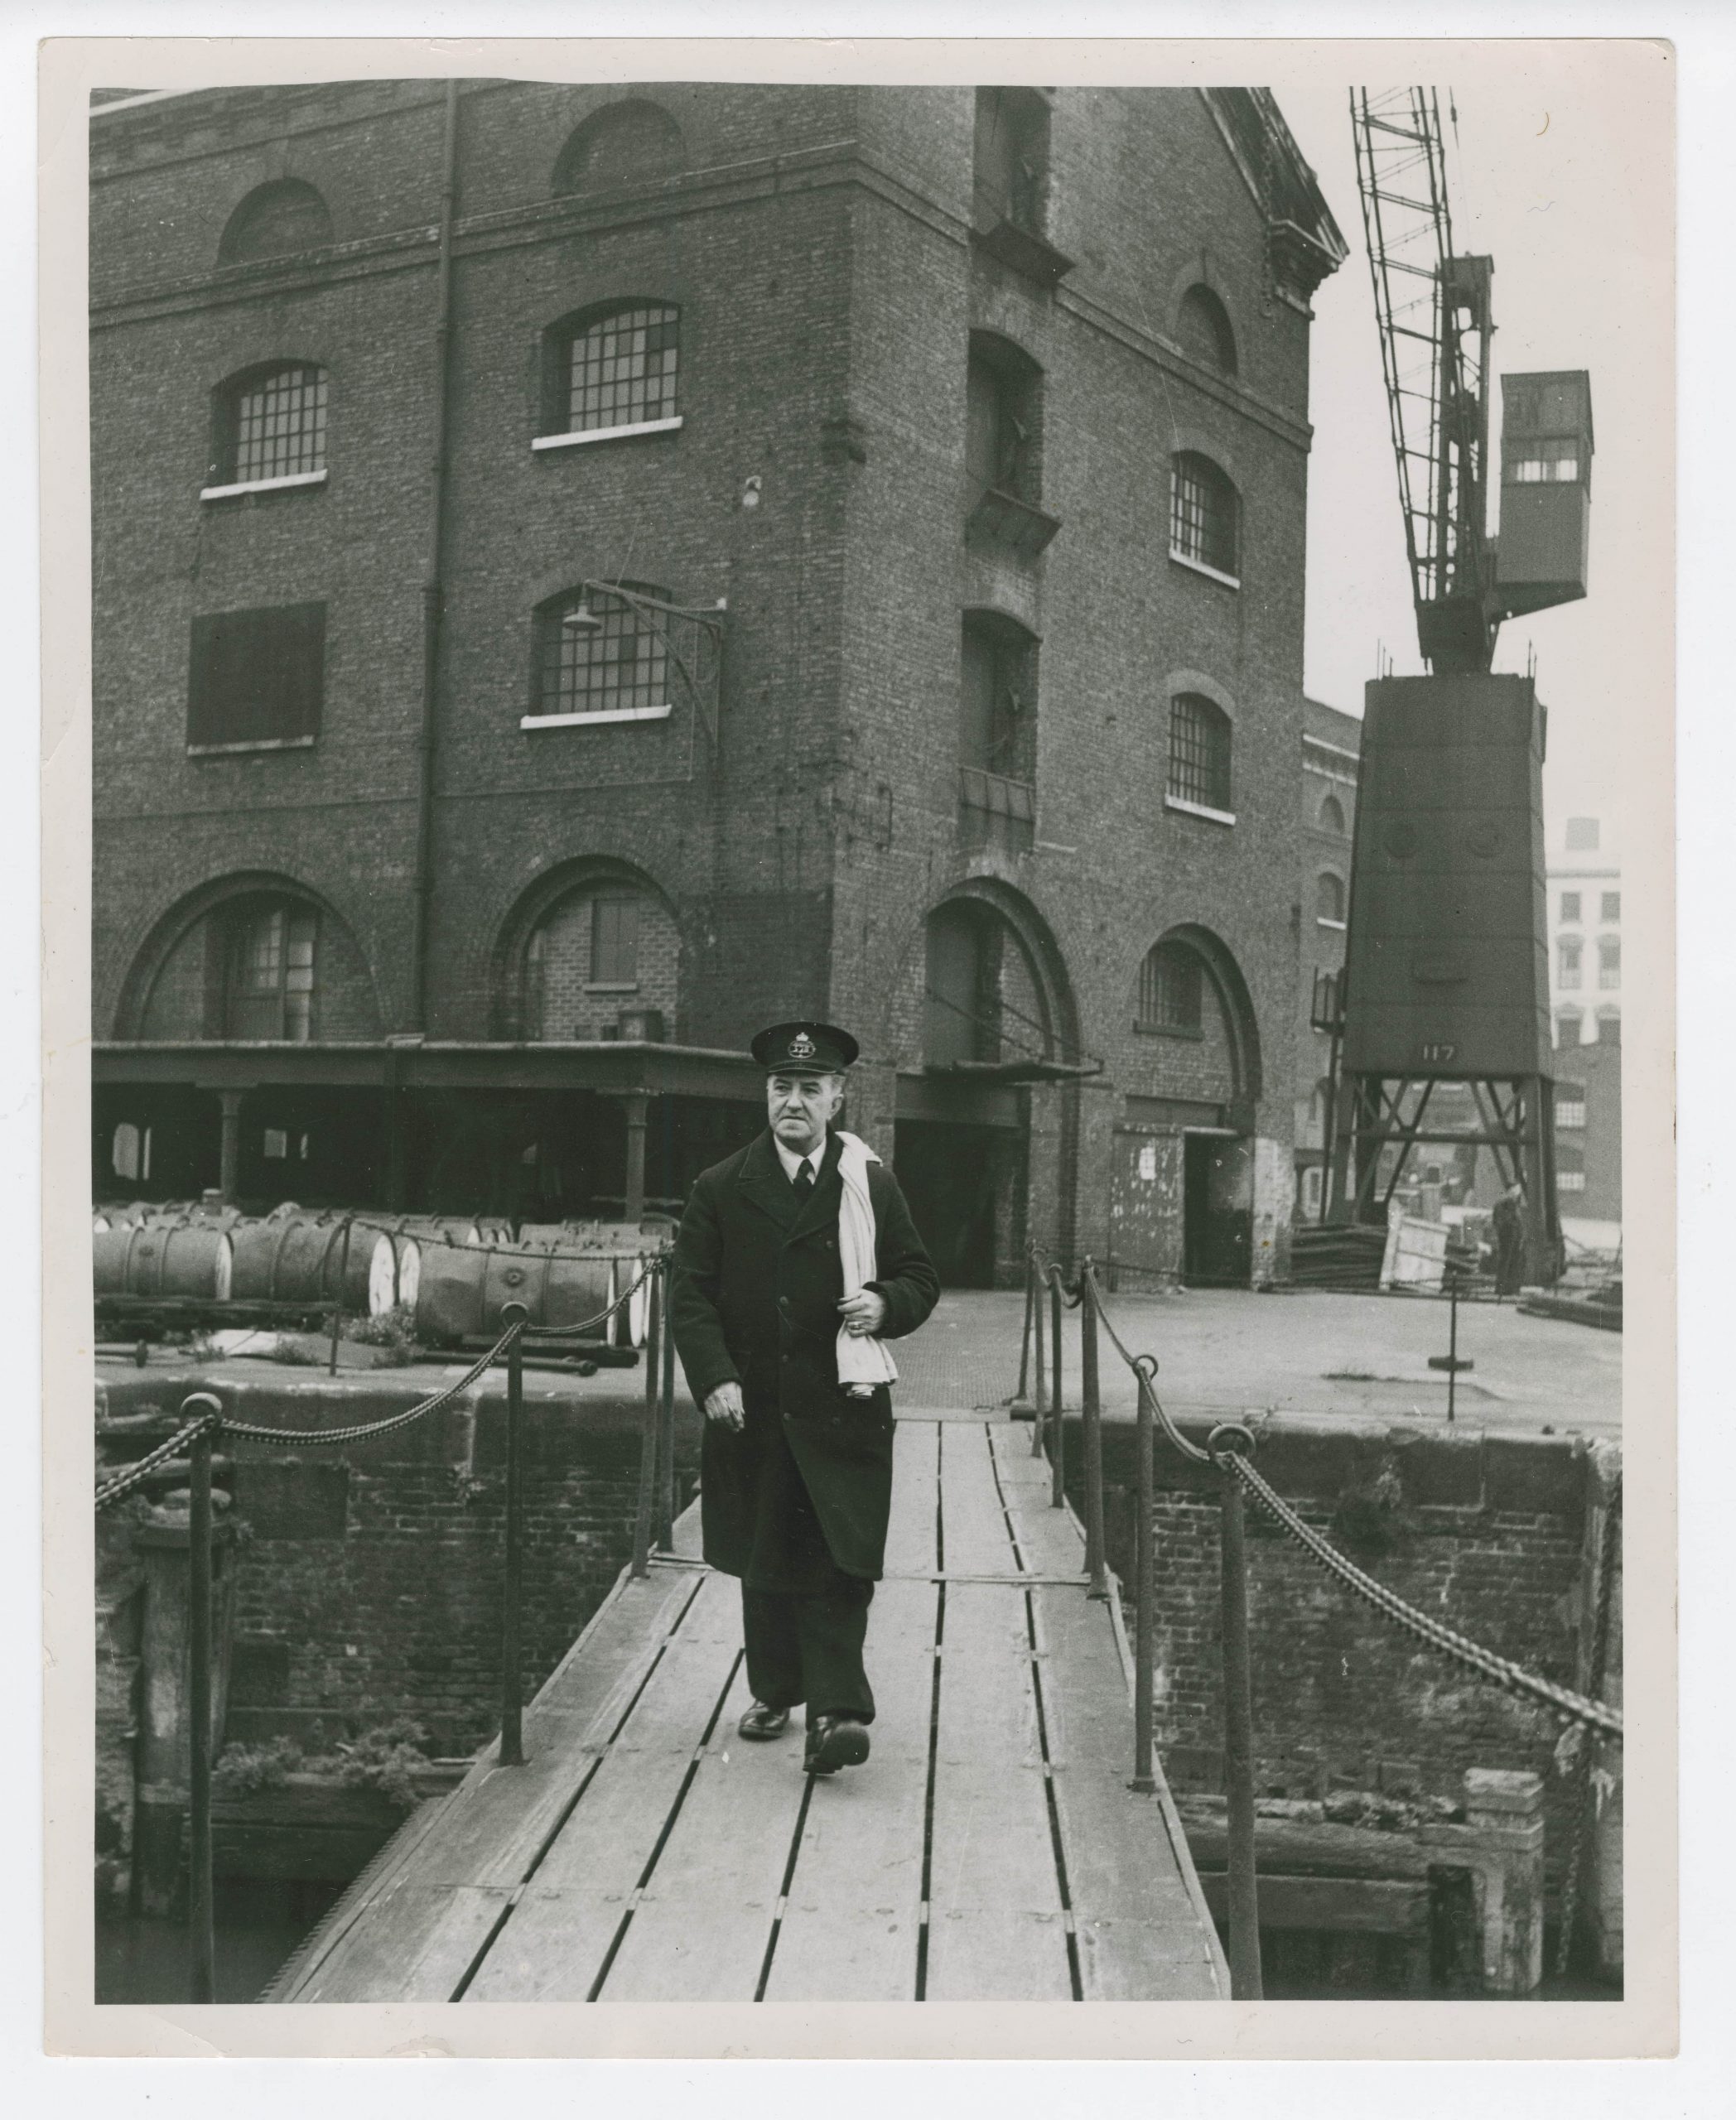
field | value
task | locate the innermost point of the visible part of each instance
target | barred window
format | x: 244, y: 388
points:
x: 269, y: 986
x: 1199, y: 752
x: 618, y: 664
x: 1203, y: 514
x: 1171, y: 989
x: 272, y: 426
x: 620, y: 369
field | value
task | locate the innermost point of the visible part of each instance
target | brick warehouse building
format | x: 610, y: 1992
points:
x: 584, y: 572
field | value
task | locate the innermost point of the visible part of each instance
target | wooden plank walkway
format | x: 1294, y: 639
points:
x: 991, y: 1848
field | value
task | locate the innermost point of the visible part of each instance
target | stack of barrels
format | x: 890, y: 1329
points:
x: 453, y: 1274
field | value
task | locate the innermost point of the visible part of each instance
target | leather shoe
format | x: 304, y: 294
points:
x: 835, y: 1741
x: 762, y: 1721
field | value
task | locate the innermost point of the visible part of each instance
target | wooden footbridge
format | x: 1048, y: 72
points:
x: 990, y: 1849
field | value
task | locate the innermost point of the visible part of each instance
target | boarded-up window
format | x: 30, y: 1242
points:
x: 257, y: 678
x: 275, y: 221
x: 615, y: 940
x: 1203, y: 328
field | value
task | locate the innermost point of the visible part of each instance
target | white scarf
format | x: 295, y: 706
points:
x: 863, y: 1359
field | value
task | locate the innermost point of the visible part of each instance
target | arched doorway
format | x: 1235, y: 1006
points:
x: 1182, y: 1201
x: 980, y: 1117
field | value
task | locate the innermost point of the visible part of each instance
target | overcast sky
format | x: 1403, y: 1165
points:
x: 1550, y: 177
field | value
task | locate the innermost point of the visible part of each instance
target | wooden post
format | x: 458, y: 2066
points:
x: 1144, y: 1635
x: 512, y: 1689
x: 647, y: 1434
x: 199, y: 1720
x: 1246, y: 1984
x: 1092, y: 1413
x: 229, y: 1178
x: 638, y: 1104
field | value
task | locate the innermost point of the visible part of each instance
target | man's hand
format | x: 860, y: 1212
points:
x: 864, y: 1312
x: 725, y: 1405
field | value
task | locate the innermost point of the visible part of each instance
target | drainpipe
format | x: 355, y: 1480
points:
x: 433, y: 595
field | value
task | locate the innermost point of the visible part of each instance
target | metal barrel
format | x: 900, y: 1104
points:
x: 157, y: 1259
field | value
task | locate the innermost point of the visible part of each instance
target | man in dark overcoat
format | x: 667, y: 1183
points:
x: 795, y: 1468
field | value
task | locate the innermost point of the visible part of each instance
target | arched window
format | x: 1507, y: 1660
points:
x: 613, y: 367
x: 598, y: 656
x: 1001, y: 411
x: 997, y: 698
x: 625, y: 143
x: 268, y: 983
x: 1200, y: 753
x: 270, y: 424
x: 1329, y: 899
x: 1332, y: 815
x: 1204, y: 516
x: 1203, y: 326
x: 275, y: 221
x: 1171, y: 989
x: 985, y: 998
x: 1011, y: 175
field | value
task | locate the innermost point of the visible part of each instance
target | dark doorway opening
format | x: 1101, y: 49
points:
x: 952, y: 1176
x: 1218, y: 1210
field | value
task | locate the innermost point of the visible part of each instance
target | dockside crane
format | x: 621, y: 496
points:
x: 1441, y: 1016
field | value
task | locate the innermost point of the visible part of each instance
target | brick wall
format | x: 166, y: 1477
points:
x: 1484, y: 1532
x: 368, y: 1584
x: 818, y: 244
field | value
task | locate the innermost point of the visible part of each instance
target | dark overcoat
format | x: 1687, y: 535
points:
x: 806, y: 1484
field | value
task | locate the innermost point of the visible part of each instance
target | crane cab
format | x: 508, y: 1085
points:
x: 1545, y: 489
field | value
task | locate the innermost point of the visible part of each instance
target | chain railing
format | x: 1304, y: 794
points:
x: 197, y: 1436
x: 1228, y: 1452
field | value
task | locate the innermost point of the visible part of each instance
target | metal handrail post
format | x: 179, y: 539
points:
x: 1021, y: 1400
x: 1039, y: 1388
x: 1246, y: 1983
x: 647, y: 1432
x: 512, y: 1689
x: 199, y: 1912
x: 337, y: 1309
x: 666, y: 1412
x: 1057, y: 1445
x: 1145, y: 1627
x: 1092, y: 1409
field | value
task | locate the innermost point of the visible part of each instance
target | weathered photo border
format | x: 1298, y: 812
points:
x: 1634, y: 82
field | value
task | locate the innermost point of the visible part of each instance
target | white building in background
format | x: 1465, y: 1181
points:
x: 1584, y: 884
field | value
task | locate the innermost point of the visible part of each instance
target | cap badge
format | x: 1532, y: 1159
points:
x: 802, y: 1047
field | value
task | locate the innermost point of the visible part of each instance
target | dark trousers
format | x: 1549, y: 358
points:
x: 809, y: 1648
